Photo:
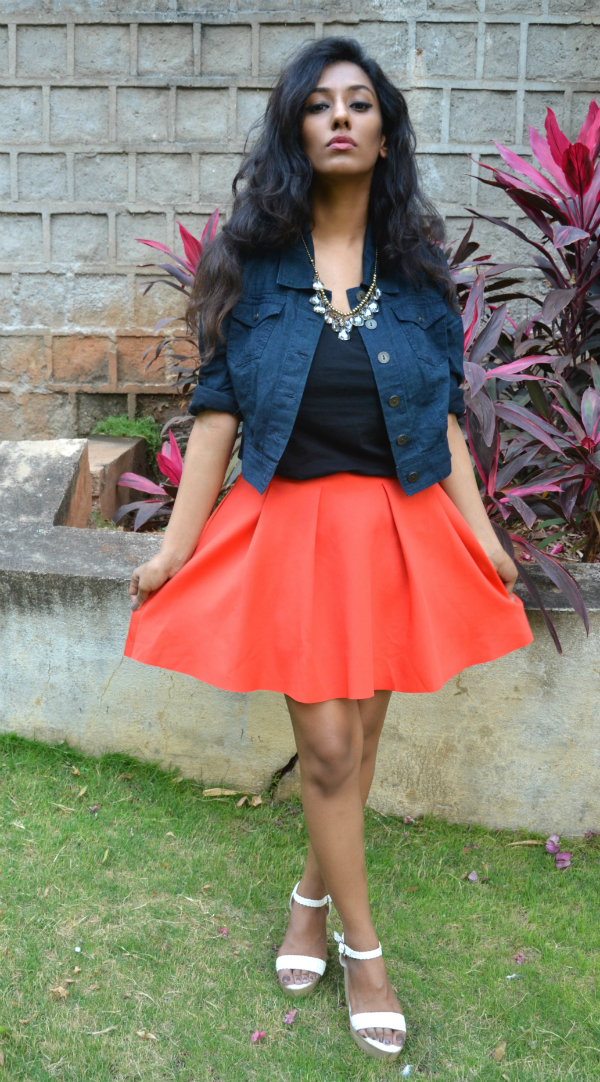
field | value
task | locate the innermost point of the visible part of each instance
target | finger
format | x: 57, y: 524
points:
x: 137, y: 600
x: 134, y: 584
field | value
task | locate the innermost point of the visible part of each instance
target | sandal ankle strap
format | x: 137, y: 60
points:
x: 311, y: 902
x: 346, y: 951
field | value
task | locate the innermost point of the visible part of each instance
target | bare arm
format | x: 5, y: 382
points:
x: 461, y: 487
x: 206, y: 460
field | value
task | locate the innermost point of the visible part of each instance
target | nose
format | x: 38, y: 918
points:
x: 340, y: 114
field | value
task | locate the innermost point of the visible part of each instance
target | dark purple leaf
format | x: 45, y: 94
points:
x: 568, y: 498
x: 554, y: 302
x: 511, y: 468
x: 568, y: 234
x: 127, y: 507
x: 590, y: 413
x: 560, y: 577
x: 476, y: 376
x: 181, y: 276
x: 533, y: 592
x: 522, y: 508
x: 536, y: 426
x: 488, y: 337
x: 149, y: 509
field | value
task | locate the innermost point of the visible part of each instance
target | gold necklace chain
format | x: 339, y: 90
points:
x: 343, y: 322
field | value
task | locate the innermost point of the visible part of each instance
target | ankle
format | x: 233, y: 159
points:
x: 311, y: 887
x: 361, y: 937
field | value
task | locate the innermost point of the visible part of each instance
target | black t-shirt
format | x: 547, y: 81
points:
x: 340, y: 426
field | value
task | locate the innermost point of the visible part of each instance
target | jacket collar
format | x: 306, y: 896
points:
x: 296, y: 271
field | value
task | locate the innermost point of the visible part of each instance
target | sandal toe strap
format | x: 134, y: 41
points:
x: 301, y: 961
x: 379, y: 1020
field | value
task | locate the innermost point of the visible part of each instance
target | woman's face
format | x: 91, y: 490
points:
x: 342, y: 126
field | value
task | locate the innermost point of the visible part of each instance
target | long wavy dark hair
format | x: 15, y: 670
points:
x: 272, y: 192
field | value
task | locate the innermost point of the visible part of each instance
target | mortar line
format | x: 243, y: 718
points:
x: 197, y: 47
x: 46, y: 248
x: 481, y: 27
x: 522, y: 83
x: 112, y: 235
x: 70, y: 48
x: 195, y: 193
x: 255, y: 48
x: 445, y: 117
x: 133, y: 48
x: 567, y: 117
x: 12, y: 48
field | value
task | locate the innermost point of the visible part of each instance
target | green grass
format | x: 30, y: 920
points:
x: 143, y: 889
x: 121, y: 425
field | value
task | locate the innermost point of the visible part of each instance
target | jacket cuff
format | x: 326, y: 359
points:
x: 456, y: 403
x: 205, y: 398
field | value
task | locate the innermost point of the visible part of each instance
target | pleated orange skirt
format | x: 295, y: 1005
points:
x: 330, y: 588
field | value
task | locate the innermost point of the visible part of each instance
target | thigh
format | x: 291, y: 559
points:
x: 372, y: 713
x: 327, y: 729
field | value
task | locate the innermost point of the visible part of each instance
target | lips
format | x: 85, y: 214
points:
x: 341, y: 142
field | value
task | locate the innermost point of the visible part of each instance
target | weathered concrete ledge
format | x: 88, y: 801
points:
x: 514, y: 743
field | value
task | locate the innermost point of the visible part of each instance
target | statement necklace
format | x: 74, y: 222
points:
x: 343, y: 322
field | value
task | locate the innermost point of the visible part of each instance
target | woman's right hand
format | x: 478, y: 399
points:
x: 147, y: 578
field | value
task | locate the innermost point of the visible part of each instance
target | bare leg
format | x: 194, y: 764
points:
x: 330, y: 738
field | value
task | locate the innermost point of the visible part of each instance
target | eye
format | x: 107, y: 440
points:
x: 318, y: 107
x: 361, y: 106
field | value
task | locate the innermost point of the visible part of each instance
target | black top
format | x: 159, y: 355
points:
x: 340, y: 426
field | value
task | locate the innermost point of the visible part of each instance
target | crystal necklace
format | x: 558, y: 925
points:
x: 343, y: 322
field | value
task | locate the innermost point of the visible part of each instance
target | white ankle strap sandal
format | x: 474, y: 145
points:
x: 303, y: 961
x: 373, y: 1019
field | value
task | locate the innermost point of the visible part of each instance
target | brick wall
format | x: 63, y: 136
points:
x: 117, y: 120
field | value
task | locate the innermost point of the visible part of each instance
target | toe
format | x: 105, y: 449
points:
x: 285, y: 976
x: 399, y: 1038
x: 387, y: 1036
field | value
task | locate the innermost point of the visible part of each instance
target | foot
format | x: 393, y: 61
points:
x: 370, y: 990
x: 306, y: 934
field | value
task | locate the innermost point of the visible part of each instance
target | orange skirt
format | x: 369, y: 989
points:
x: 330, y: 588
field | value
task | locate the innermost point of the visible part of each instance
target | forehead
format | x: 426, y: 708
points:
x: 344, y: 74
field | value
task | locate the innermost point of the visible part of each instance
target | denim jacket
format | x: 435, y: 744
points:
x: 415, y: 345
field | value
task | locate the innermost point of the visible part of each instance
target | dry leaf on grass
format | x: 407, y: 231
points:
x: 1, y: 1058
x: 220, y: 792
x: 77, y: 969
x: 499, y: 1052
x: 240, y: 803
x: 82, y: 792
x: 256, y: 800
x: 103, y: 861
x: 75, y: 771
x: 98, y: 1032
x: 62, y: 807
x: 510, y: 845
x: 146, y: 1035
x: 59, y: 992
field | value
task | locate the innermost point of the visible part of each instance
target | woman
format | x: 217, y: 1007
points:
x: 353, y: 557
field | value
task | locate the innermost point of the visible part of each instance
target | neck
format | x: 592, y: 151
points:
x: 340, y: 210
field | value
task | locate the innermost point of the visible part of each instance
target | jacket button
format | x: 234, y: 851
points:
x: 255, y: 316
x: 421, y: 319
x: 401, y: 441
x: 360, y: 296
x: 383, y: 357
x: 394, y: 400
x: 413, y: 477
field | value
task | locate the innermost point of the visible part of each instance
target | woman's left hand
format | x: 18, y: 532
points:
x: 505, y: 567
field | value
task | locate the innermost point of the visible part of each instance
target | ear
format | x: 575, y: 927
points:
x: 383, y: 150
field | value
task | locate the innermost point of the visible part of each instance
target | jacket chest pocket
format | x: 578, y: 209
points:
x: 250, y: 330
x: 425, y: 328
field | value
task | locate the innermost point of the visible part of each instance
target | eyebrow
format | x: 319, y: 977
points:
x: 327, y: 89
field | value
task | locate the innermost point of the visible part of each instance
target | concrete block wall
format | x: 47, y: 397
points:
x: 119, y: 119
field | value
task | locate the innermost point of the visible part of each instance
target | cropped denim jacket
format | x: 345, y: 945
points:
x: 415, y: 345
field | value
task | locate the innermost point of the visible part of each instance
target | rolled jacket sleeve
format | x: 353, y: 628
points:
x: 215, y: 389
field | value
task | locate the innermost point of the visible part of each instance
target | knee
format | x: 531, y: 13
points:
x: 330, y: 765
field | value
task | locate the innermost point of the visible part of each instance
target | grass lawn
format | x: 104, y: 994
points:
x: 163, y: 910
